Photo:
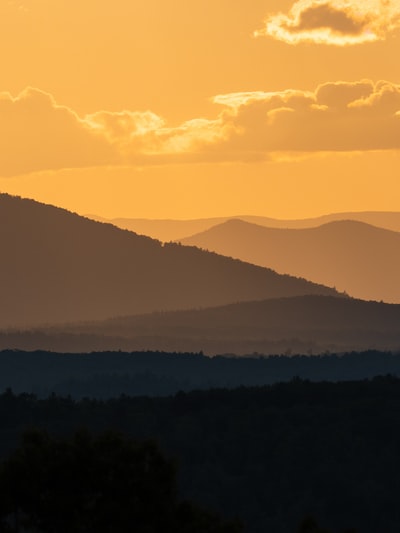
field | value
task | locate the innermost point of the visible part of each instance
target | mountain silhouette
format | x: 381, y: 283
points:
x: 355, y: 257
x: 57, y: 266
x: 302, y: 324
x: 174, y: 230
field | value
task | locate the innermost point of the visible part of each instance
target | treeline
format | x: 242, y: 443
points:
x: 270, y: 455
x: 109, y: 374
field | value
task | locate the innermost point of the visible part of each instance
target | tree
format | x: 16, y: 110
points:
x: 309, y: 525
x: 95, y: 484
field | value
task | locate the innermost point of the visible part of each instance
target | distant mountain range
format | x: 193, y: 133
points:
x: 304, y: 324
x: 173, y: 230
x: 57, y: 266
x: 352, y: 256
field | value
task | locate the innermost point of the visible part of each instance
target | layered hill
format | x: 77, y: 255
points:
x: 173, y: 230
x: 57, y: 266
x: 355, y: 257
x: 303, y: 324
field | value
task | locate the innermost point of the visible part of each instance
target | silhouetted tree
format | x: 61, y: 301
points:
x: 103, y: 484
x: 310, y: 525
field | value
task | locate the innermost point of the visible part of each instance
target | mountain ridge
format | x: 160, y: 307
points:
x: 358, y: 258
x: 59, y: 267
x: 301, y: 324
x: 173, y: 230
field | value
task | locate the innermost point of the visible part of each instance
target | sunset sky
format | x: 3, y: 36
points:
x: 188, y: 108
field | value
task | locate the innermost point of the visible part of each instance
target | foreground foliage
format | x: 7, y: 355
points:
x: 270, y: 455
x: 105, y: 484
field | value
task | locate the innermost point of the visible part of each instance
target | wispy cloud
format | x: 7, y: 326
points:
x: 36, y: 133
x: 334, y: 22
x: 16, y: 5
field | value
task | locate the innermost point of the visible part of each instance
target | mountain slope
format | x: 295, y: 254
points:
x: 302, y: 324
x: 173, y: 230
x: 352, y: 256
x: 57, y: 266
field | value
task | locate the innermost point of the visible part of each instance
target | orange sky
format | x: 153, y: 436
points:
x: 186, y: 109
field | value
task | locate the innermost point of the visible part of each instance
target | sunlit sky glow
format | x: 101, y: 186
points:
x: 184, y: 109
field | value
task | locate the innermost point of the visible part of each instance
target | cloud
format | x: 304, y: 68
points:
x: 37, y: 134
x: 340, y: 116
x: 19, y: 6
x: 334, y: 22
x: 340, y: 95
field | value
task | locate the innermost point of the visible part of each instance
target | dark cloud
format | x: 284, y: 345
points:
x: 325, y: 16
x: 334, y: 22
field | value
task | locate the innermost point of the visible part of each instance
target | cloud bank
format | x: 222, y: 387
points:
x: 37, y: 134
x: 339, y: 116
x: 334, y: 22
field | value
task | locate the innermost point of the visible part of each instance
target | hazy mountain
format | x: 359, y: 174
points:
x: 305, y: 324
x: 173, y: 230
x: 163, y: 230
x: 355, y: 257
x: 57, y: 266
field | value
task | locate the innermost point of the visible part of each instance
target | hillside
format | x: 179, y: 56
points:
x: 304, y: 324
x: 108, y: 374
x: 173, y: 230
x: 270, y: 455
x: 355, y: 257
x: 57, y: 266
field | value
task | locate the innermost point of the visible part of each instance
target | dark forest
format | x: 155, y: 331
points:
x: 269, y: 456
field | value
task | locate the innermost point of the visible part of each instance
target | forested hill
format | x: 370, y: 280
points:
x: 304, y: 324
x: 110, y: 374
x: 57, y: 266
x: 269, y: 455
